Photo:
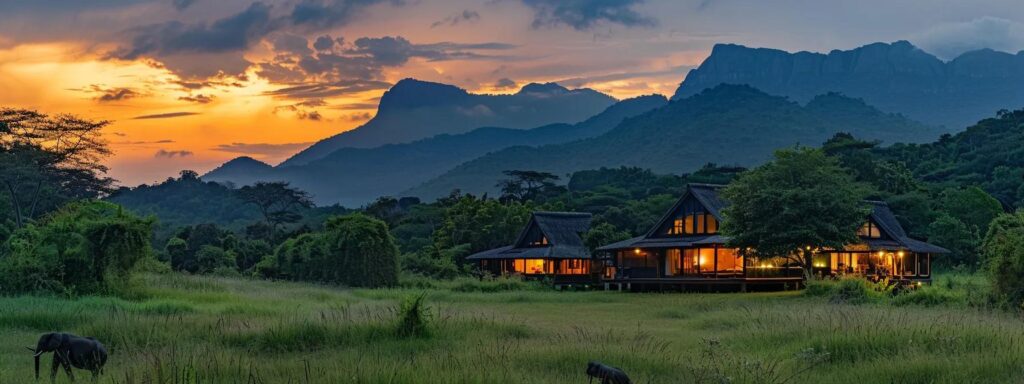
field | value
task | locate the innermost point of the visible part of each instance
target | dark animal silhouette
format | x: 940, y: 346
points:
x: 607, y: 374
x: 71, y: 351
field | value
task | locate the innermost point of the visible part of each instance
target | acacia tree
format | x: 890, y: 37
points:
x: 526, y: 185
x: 278, y: 203
x: 800, y: 201
x: 46, y: 161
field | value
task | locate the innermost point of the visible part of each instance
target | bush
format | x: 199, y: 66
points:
x: 1004, y: 254
x: 211, y: 258
x: 83, y: 248
x: 928, y: 296
x: 413, y: 318
x: 849, y: 290
x: 355, y: 250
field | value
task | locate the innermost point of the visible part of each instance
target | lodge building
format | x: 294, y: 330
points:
x: 550, y: 246
x: 684, y: 250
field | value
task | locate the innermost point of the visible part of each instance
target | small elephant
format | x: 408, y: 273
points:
x: 607, y: 374
x: 71, y: 351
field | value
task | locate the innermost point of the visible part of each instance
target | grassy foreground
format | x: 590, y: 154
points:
x: 220, y: 330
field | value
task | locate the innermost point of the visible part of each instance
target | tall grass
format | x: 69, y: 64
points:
x: 227, y: 330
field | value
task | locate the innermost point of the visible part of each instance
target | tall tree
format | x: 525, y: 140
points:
x: 800, y: 201
x: 527, y: 185
x: 46, y: 161
x: 278, y: 203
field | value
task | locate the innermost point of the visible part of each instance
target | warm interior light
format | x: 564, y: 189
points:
x: 636, y: 251
x: 881, y: 253
x: 900, y: 253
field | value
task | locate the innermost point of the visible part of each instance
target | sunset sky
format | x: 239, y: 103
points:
x: 190, y: 84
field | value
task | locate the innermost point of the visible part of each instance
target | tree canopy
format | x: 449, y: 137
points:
x: 46, y: 161
x: 800, y: 201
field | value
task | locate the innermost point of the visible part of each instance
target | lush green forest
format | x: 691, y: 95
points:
x: 119, y: 264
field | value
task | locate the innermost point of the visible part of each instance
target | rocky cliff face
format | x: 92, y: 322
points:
x: 896, y: 77
x: 413, y: 110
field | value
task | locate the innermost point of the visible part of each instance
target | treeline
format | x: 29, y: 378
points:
x: 949, y: 193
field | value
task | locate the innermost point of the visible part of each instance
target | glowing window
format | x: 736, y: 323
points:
x: 712, y: 224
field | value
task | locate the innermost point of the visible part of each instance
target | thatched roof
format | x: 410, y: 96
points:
x: 886, y: 220
x: 563, y: 230
x: 708, y: 196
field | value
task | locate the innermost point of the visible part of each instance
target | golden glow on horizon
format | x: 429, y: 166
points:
x: 71, y: 77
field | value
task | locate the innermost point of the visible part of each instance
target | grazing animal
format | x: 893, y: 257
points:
x: 71, y: 351
x: 607, y: 374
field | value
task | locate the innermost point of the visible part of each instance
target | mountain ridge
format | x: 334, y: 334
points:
x: 355, y: 176
x: 414, y: 109
x: 894, y: 77
x: 727, y: 124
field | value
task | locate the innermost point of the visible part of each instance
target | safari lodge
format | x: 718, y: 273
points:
x: 685, y: 251
x: 550, y: 246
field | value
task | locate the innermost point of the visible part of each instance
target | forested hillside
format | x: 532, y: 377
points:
x: 989, y: 154
x: 728, y: 124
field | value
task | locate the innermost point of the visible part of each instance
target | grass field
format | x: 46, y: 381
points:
x: 220, y: 330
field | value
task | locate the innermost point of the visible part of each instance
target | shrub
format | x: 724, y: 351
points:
x: 1004, y: 254
x: 83, y: 248
x: 927, y: 296
x: 413, y: 316
x: 211, y: 258
x: 819, y: 288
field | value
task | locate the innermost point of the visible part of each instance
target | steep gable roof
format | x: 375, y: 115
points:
x: 886, y: 220
x: 705, y: 194
x: 562, y: 229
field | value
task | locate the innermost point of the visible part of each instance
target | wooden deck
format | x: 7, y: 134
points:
x: 741, y: 284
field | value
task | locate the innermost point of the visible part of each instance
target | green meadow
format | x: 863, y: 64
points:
x: 186, y: 329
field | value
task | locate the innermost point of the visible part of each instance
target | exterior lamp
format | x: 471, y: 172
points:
x: 900, y: 253
x: 881, y: 253
x: 636, y: 251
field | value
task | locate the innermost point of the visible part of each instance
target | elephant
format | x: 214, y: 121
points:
x: 607, y: 374
x: 71, y: 351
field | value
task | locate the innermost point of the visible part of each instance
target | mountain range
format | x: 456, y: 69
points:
x: 354, y: 176
x: 426, y: 139
x: 896, y: 77
x: 414, y: 109
x: 727, y: 124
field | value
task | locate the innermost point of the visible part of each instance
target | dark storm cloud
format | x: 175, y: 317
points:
x: 172, y: 154
x: 164, y: 115
x: 223, y: 41
x: 584, y: 14
x: 326, y: 43
x: 233, y: 33
x: 329, y: 71
x: 320, y: 14
x: 104, y: 95
x: 198, y: 98
x: 291, y: 44
x: 304, y: 110
x: 466, y: 16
